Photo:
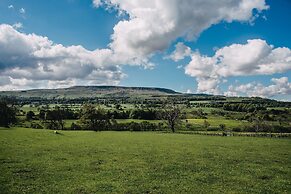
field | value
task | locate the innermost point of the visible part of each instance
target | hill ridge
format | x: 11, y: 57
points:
x: 90, y: 91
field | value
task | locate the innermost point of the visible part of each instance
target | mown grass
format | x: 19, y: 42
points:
x: 40, y: 161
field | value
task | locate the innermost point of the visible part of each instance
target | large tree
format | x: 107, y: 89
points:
x: 54, y: 119
x: 93, y: 118
x: 172, y: 114
x: 7, y: 114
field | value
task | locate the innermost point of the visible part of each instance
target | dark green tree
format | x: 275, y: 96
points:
x: 7, y: 114
x: 54, y: 119
x: 222, y: 127
x: 30, y: 115
x: 93, y: 118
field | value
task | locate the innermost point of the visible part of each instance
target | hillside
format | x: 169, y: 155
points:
x: 90, y: 92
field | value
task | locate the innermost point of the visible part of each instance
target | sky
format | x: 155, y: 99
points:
x: 226, y: 47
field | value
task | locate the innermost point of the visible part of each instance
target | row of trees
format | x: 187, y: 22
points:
x: 144, y: 114
x: 91, y: 117
x: 96, y: 118
x: 243, y: 107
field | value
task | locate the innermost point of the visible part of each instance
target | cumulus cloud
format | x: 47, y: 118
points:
x: 151, y: 26
x: 154, y: 24
x: 181, y: 51
x: 10, y: 7
x: 36, y: 58
x: 255, y: 57
x: 280, y: 86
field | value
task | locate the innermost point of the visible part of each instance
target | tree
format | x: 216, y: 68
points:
x: 30, y: 115
x: 222, y: 127
x: 93, y: 118
x: 54, y: 119
x: 172, y: 114
x: 7, y: 114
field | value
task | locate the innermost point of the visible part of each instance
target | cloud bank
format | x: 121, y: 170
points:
x: 280, y: 86
x: 30, y: 60
x: 256, y: 57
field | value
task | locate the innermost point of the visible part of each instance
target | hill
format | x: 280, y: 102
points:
x: 90, y: 92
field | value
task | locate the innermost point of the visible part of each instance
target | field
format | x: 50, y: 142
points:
x: 40, y: 161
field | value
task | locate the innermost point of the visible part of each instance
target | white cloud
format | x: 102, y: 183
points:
x: 22, y: 11
x: 97, y: 3
x: 255, y: 57
x: 151, y: 27
x: 179, y: 66
x: 10, y: 7
x: 280, y: 86
x: 28, y: 60
x: 189, y: 91
x: 181, y: 51
x: 154, y: 24
x: 17, y: 25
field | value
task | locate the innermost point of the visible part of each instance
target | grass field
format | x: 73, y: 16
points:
x: 39, y: 161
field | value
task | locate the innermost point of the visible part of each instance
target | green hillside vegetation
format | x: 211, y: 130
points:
x: 144, y: 109
x: 142, y: 140
x: 88, y: 92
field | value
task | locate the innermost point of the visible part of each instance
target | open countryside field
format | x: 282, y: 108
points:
x: 40, y: 161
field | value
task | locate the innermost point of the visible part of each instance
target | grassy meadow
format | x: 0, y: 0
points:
x: 40, y: 161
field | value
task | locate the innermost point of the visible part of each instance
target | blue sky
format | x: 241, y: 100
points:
x: 79, y: 22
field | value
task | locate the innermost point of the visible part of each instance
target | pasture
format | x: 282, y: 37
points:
x: 40, y: 161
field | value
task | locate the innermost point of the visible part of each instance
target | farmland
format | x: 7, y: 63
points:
x: 148, y: 141
x: 40, y: 161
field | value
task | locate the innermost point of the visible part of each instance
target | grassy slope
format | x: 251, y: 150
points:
x: 88, y: 162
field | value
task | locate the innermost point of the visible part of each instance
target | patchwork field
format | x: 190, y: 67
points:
x: 40, y: 161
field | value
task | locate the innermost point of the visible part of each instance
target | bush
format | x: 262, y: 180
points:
x: 52, y: 125
x: 281, y: 129
x: 213, y: 129
x: 134, y: 126
x: 236, y: 129
x: 263, y: 128
x: 36, y: 125
x: 75, y: 127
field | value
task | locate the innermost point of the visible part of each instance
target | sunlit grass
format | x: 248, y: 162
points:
x: 40, y: 161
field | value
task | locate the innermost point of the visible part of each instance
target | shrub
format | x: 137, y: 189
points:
x: 213, y: 129
x: 236, y: 129
x: 75, y: 127
x: 281, y: 129
x: 134, y: 126
x: 36, y: 125
x: 222, y: 127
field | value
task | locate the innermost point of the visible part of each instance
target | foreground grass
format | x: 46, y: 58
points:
x: 39, y: 161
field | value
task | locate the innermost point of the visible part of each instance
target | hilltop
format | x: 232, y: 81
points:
x: 90, y: 92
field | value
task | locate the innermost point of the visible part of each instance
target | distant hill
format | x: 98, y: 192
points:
x: 90, y: 92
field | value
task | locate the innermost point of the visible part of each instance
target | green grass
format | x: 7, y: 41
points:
x: 39, y: 161
x: 27, y: 108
